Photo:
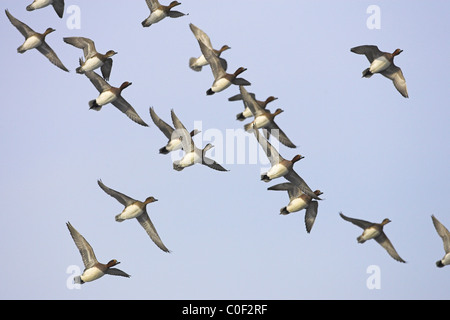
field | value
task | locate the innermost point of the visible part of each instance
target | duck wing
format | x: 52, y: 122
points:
x: 274, y: 129
x: 99, y: 83
x: 122, y: 198
x: 123, y: 105
x: 272, y: 154
x: 86, y: 44
x: 163, y: 126
x: 186, y: 140
x: 292, y: 189
x: 371, y: 52
x: 106, y: 68
x: 117, y: 272
x: 147, y: 224
x: 443, y: 233
x: 298, y: 181
x: 310, y: 215
x: 250, y: 102
x: 45, y: 49
x: 396, y: 75
x: 58, y: 5
x: 23, y: 28
x: 212, y: 164
x: 152, y: 4
x: 86, y: 251
x: 358, y: 222
x: 384, y: 241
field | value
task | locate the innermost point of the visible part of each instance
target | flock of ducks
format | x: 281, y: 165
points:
x: 301, y: 196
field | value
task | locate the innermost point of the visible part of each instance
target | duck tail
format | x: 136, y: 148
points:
x: 78, y: 280
x: 248, y: 127
x: 439, y: 264
x: 284, y: 211
x: 80, y: 68
x: 30, y: 8
x: 177, y: 167
x: 94, y: 106
x: 360, y: 239
x: 240, y: 116
x: 163, y: 150
x: 265, y: 178
x: 193, y: 66
x: 366, y: 73
x: 118, y: 218
x: 209, y: 92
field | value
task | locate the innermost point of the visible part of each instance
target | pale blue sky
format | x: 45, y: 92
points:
x: 373, y: 153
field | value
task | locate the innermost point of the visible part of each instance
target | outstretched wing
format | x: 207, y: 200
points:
x: 123, y: 199
x: 358, y: 222
x: 147, y: 224
x: 86, y: 251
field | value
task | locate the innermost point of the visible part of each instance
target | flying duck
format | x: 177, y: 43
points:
x: 374, y: 231
x: 135, y: 209
x: 159, y: 12
x: 383, y: 62
x: 34, y: 40
x: 93, y: 269
x: 192, y: 154
x: 93, y: 59
x: 299, y: 201
x: 109, y: 94
x: 222, y: 79
x: 174, y: 142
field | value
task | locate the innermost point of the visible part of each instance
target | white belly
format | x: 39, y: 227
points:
x: 201, y: 61
x: 174, y: 145
x: 379, y: 64
x: 220, y: 85
x: 370, y: 234
x: 296, y: 204
x: 91, y: 274
x: 40, y: 4
x: 189, y: 159
x: 260, y: 121
x: 156, y: 16
x: 446, y: 260
x: 247, y: 113
x: 105, y: 97
x: 131, y: 212
x: 277, y: 171
x: 31, y: 43
x: 92, y: 64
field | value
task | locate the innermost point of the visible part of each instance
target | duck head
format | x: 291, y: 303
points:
x: 150, y: 200
x: 112, y: 263
x: 110, y: 53
x: 297, y: 158
x: 397, y: 52
x: 385, y: 221
x: 270, y: 99
x: 174, y: 4
x: 47, y: 31
x: 124, y: 85
x: 224, y: 47
x: 239, y: 71
x: 277, y: 112
x: 207, y: 147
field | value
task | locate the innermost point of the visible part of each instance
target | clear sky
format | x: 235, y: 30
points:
x: 373, y: 153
